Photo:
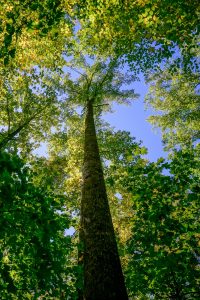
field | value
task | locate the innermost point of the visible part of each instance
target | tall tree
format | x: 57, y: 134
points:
x: 96, y: 84
x: 100, y: 255
x: 99, y: 83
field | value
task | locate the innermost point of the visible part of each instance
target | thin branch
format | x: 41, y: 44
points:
x: 71, y: 90
x: 100, y: 105
x: 75, y: 70
x: 11, y: 135
x: 103, y: 80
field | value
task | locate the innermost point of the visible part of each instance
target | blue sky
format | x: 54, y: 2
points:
x: 134, y: 119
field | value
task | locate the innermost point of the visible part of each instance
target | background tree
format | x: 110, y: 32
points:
x: 175, y: 98
x: 34, y: 250
x: 27, y: 102
x: 164, y: 255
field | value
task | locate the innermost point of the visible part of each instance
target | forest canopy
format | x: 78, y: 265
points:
x: 94, y: 218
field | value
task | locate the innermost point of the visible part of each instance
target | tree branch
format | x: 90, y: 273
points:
x: 11, y: 135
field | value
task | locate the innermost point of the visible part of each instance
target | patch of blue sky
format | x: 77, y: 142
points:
x: 133, y: 118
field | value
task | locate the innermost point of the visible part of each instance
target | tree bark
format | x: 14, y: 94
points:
x: 103, y: 277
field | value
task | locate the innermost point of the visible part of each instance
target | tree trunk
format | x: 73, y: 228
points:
x: 103, y: 278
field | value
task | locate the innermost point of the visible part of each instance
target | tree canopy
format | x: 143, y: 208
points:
x: 164, y: 248
x: 176, y: 99
x: 144, y: 32
x: 94, y: 218
x: 34, y: 250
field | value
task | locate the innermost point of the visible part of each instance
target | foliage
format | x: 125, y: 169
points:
x: 29, y: 24
x: 34, y: 250
x: 92, y: 78
x: 175, y: 97
x: 164, y: 248
x: 145, y: 32
x: 42, y: 90
x: 27, y: 102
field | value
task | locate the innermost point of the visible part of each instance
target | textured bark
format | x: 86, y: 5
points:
x: 103, y: 278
